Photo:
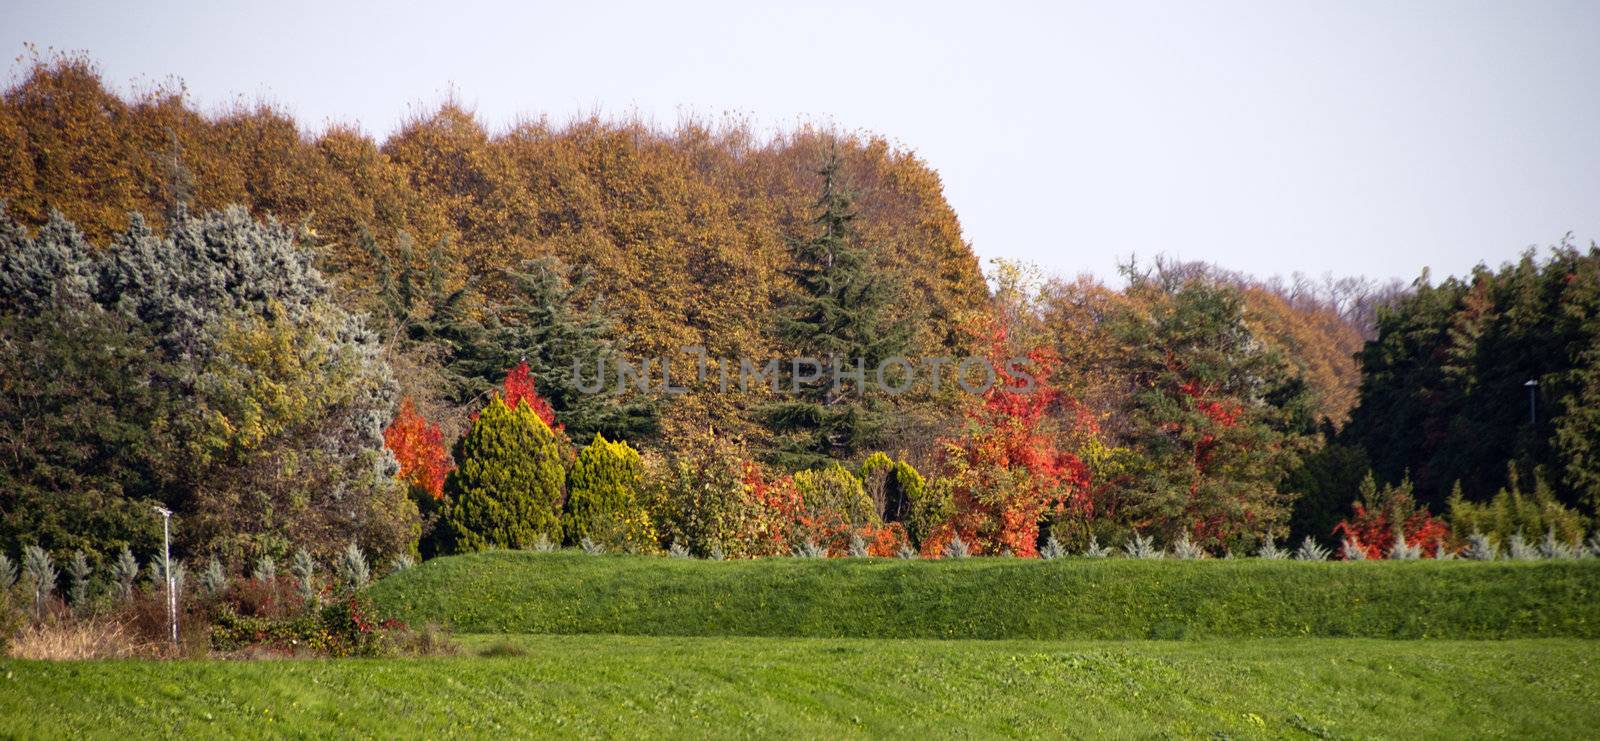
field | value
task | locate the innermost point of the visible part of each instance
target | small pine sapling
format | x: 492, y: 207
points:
x: 1142, y: 547
x: 1480, y: 548
x: 304, y: 569
x: 1352, y: 550
x: 810, y: 549
x: 1553, y: 547
x: 1518, y: 549
x: 1269, y: 550
x: 78, y: 568
x: 353, y: 571
x: 676, y: 550
x: 42, y: 576
x: 956, y: 548
x: 1052, y: 549
x: 1184, y: 548
x: 1311, y: 550
x: 8, y: 573
x: 214, y: 580
x: 906, y: 552
x: 124, y: 572
x: 1403, y: 551
x: 401, y: 563
x: 1095, y: 550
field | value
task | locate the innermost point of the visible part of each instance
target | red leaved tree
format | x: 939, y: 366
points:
x: 419, y: 448
x: 1382, y: 515
x: 1007, y: 471
x: 519, y: 387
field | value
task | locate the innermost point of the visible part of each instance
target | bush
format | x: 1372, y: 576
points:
x: 605, y: 498
x: 507, y: 490
x: 833, y: 505
x: 996, y: 598
x: 1514, y: 512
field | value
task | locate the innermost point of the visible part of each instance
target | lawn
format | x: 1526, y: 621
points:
x: 639, y: 686
x: 996, y: 598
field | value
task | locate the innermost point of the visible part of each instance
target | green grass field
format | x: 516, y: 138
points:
x: 574, y: 645
x: 630, y: 686
x: 1071, y: 599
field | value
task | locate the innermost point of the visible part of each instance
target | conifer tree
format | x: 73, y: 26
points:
x: 605, y: 498
x: 839, y: 318
x: 507, y: 490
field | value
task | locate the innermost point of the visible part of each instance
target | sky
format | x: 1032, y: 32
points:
x: 1343, y: 138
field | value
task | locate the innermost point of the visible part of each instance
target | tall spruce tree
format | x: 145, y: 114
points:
x: 839, y: 318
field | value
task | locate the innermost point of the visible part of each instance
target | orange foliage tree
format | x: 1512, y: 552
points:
x: 418, y: 446
x: 1383, y: 515
x: 1007, y: 472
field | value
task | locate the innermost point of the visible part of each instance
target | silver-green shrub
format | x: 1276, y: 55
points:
x: 78, y: 568
x: 42, y: 575
x: 676, y: 550
x: 1351, y: 550
x: 401, y: 562
x: 858, y: 547
x: 304, y: 569
x: 1142, y: 547
x: 1403, y: 551
x: 956, y: 548
x: 8, y: 573
x: 1269, y: 549
x: 1480, y: 548
x: 906, y: 551
x: 591, y: 547
x: 543, y: 544
x: 266, y: 571
x: 810, y: 549
x: 1095, y: 550
x: 1518, y: 549
x: 1184, y: 548
x: 1052, y: 549
x: 352, y: 568
x: 1310, y: 550
x: 214, y: 579
x: 1554, y: 547
x: 124, y: 571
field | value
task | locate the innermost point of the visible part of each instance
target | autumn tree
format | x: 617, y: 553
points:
x: 1215, y: 419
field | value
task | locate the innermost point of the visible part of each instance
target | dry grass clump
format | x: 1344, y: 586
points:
x: 80, y: 640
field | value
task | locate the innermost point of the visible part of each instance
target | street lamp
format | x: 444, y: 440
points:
x: 1533, y: 386
x: 166, y: 564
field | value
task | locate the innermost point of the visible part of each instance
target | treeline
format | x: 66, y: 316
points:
x: 300, y: 340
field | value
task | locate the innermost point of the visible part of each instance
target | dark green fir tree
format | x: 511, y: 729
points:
x: 839, y: 318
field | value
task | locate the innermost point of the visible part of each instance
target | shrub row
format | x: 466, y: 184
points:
x: 1071, y: 598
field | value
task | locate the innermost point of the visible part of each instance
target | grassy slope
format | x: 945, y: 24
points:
x: 629, y: 686
x: 571, y: 593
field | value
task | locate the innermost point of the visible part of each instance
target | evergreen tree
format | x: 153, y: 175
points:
x: 507, y: 489
x: 571, y: 349
x: 839, y: 317
x: 1216, y: 419
x: 605, y: 498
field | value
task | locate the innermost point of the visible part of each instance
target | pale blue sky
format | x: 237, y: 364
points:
x: 1353, y: 137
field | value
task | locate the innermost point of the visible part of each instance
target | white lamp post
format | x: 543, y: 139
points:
x: 166, y: 565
